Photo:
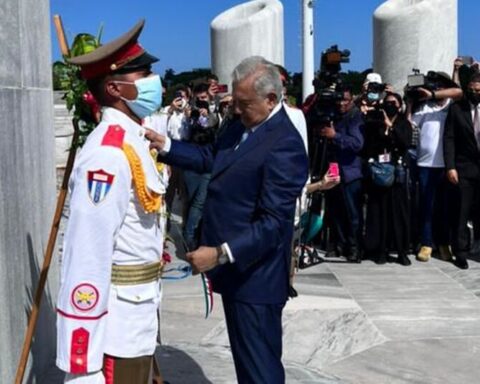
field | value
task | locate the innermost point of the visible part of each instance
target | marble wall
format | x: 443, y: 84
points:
x: 421, y: 34
x: 252, y: 28
x: 27, y: 181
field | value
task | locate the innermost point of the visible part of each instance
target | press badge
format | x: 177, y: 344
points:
x: 384, y: 158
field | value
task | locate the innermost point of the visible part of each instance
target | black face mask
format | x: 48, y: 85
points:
x: 390, y: 109
x: 473, y: 97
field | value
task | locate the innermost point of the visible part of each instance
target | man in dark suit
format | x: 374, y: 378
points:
x: 259, y: 167
x: 462, y: 161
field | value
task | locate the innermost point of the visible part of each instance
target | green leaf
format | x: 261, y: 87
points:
x: 83, y: 43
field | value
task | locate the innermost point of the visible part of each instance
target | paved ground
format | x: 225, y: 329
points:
x: 351, y: 324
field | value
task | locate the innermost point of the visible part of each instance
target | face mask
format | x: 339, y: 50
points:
x: 473, y: 97
x: 390, y: 109
x: 149, y: 97
x: 373, y: 96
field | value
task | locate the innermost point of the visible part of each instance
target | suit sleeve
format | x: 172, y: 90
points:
x: 449, y: 140
x: 285, y: 174
x: 101, y: 185
x: 198, y: 158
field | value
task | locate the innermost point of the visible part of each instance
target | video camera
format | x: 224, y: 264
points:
x: 326, y: 86
x: 324, y: 110
x: 431, y: 81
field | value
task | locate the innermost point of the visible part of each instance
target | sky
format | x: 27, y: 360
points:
x: 178, y: 31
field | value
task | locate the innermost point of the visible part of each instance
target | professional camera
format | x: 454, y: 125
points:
x: 324, y: 111
x: 324, y: 108
x: 431, y: 81
x: 331, y: 63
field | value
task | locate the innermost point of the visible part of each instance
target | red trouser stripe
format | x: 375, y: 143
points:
x: 108, y: 369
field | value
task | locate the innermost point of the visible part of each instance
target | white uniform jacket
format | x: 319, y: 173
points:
x: 107, y: 225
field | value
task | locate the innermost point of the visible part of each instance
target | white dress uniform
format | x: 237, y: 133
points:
x: 108, y: 226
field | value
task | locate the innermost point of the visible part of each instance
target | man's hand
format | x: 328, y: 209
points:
x: 328, y: 132
x: 457, y: 63
x: 389, y: 88
x: 157, y: 141
x: 452, y: 176
x: 203, y: 259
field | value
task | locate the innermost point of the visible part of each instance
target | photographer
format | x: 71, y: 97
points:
x: 373, y: 92
x: 344, y: 202
x: 387, y: 221
x: 203, y: 129
x: 433, y: 100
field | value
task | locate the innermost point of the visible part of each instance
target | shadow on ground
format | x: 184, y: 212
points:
x: 176, y: 365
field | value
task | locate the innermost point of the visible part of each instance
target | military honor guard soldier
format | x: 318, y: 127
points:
x: 110, y: 275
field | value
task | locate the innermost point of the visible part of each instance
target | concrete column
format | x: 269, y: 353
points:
x: 27, y: 181
x: 420, y: 34
x: 308, y: 49
x: 252, y: 28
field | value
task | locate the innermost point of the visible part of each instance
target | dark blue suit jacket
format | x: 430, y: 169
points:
x: 250, y: 205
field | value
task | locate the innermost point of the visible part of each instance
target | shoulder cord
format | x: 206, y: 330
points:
x: 149, y: 200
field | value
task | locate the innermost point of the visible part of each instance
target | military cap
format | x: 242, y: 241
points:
x: 122, y: 55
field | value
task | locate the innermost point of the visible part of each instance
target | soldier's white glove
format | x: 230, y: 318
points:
x: 87, y: 378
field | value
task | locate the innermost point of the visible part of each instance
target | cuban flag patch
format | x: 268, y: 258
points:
x: 99, y: 184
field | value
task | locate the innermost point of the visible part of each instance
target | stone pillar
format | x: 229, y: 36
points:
x: 409, y: 34
x: 253, y: 28
x: 27, y: 181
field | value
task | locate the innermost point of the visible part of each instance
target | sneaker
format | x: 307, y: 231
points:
x: 444, y: 253
x: 424, y: 254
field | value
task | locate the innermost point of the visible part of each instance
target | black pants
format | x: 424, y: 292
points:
x: 344, y: 214
x: 387, y: 225
x: 468, y: 198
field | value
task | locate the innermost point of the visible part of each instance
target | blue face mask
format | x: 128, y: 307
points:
x: 373, y: 96
x: 149, y: 96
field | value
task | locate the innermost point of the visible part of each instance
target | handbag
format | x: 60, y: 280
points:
x: 382, y: 174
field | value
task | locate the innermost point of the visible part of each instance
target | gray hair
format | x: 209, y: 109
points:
x: 268, y: 77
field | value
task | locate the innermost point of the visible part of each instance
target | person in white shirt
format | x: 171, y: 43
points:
x: 430, y: 120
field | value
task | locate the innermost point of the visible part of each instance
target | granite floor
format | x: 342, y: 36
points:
x: 351, y: 324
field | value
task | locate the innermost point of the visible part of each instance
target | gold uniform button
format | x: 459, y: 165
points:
x: 79, y: 361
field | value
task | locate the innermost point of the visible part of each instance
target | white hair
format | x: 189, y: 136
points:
x: 267, y: 75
